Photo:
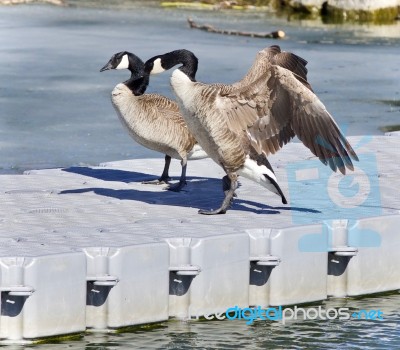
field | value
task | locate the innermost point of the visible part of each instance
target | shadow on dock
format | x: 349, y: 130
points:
x: 111, y: 174
x: 195, y: 195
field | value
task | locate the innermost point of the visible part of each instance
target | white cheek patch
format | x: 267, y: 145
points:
x: 124, y: 64
x: 157, y: 67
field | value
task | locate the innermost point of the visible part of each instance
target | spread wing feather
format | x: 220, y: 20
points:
x: 278, y: 106
x: 274, y: 55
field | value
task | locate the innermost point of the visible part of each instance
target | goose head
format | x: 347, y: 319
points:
x: 125, y: 60
x: 161, y: 63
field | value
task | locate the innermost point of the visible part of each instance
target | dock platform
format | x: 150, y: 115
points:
x: 94, y: 248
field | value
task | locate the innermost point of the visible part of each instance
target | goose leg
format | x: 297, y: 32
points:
x: 182, y: 181
x: 229, y: 194
x: 226, y: 185
x: 164, y: 176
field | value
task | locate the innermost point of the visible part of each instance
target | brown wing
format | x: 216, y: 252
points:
x: 162, y: 105
x: 275, y: 108
x: 167, y: 123
x: 274, y: 55
x: 290, y: 61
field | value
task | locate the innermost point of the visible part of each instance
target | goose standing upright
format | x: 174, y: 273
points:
x: 238, y: 126
x: 152, y: 120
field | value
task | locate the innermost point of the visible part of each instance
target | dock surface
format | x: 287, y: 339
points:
x: 106, y: 251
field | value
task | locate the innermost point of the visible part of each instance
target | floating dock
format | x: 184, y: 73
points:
x: 94, y: 248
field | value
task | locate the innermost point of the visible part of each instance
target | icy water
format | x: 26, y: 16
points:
x: 55, y: 108
x: 55, y: 111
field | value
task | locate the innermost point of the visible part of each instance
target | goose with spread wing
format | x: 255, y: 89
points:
x: 154, y: 121
x: 239, y: 127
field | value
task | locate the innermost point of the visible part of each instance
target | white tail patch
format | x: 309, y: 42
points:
x: 252, y: 171
x: 157, y: 67
x: 124, y: 64
x: 197, y: 153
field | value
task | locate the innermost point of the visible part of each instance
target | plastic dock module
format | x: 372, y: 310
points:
x: 208, y: 274
x: 92, y: 248
x: 42, y: 294
x: 277, y: 275
x: 122, y: 274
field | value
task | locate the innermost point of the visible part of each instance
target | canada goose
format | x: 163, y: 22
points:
x: 237, y: 126
x: 152, y: 120
x: 157, y: 108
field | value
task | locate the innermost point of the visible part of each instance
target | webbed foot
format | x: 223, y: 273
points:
x: 160, y: 181
x: 163, y: 180
x: 229, y: 186
x: 212, y: 212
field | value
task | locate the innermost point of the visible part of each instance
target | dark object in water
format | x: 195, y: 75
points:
x: 279, y: 34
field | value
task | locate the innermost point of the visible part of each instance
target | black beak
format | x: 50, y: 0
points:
x: 108, y: 66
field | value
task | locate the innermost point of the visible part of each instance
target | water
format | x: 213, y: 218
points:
x: 55, y: 108
x: 312, y: 334
x: 55, y: 111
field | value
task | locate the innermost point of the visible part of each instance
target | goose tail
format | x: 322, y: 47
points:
x: 197, y: 153
x: 277, y: 188
x: 261, y: 174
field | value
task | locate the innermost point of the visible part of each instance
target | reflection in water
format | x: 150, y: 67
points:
x: 311, y: 334
x: 317, y: 334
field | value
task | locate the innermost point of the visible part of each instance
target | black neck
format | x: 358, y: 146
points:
x: 185, y: 57
x: 138, y: 84
x: 188, y: 60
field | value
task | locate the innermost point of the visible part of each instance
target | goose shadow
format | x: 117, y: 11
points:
x: 111, y: 174
x: 195, y: 195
